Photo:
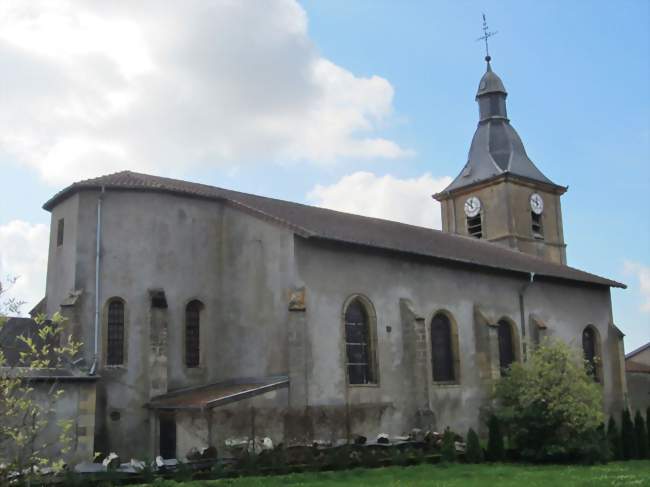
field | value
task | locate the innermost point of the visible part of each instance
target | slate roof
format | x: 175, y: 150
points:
x: 496, y: 148
x: 318, y: 223
x: 637, y: 351
x: 218, y: 394
x: 490, y: 83
x: 9, y: 333
x: 49, y: 374
x: 11, y: 346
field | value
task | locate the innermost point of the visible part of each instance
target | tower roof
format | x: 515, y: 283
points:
x: 490, y: 82
x: 496, y: 148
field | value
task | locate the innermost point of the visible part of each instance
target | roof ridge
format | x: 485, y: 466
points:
x: 314, y: 221
x: 257, y: 196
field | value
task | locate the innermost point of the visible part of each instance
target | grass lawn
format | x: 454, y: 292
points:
x: 635, y: 473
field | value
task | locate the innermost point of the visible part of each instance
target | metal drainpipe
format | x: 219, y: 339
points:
x: 522, y: 312
x: 93, y: 369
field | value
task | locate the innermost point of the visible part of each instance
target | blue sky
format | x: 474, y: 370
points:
x: 577, y: 74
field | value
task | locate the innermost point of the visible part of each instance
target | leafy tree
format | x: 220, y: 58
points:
x: 628, y: 436
x: 551, y: 406
x: 641, y: 436
x: 473, y: 451
x: 448, y: 450
x: 25, y: 408
x: 614, y: 440
x: 496, y: 451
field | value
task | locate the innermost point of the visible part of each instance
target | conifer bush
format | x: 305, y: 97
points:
x: 628, y: 436
x: 448, y: 449
x: 551, y: 406
x: 496, y: 451
x: 641, y: 436
x: 647, y: 425
x: 614, y: 440
x: 473, y: 451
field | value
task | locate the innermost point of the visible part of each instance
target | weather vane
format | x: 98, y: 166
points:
x: 486, y: 35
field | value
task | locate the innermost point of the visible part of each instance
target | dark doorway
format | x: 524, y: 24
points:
x: 167, y: 436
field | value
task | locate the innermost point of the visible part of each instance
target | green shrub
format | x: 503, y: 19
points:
x: 496, y: 451
x: 647, y: 425
x: 448, y: 449
x: 473, y: 451
x: 641, y: 436
x: 628, y: 436
x: 551, y: 406
x: 614, y: 440
x: 595, y: 448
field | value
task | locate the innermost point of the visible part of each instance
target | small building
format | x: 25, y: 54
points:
x: 76, y: 404
x: 637, y: 372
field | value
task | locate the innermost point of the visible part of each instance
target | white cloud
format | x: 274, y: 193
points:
x: 93, y: 86
x: 403, y: 200
x: 23, y: 254
x: 642, y: 272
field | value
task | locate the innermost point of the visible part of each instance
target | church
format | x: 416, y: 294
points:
x: 208, y: 314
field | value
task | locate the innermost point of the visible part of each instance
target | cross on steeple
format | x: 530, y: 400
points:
x: 486, y: 35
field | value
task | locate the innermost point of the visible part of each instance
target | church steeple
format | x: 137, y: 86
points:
x: 496, y: 148
x: 500, y: 195
x: 491, y: 95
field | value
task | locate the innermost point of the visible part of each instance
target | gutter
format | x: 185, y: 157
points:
x: 93, y: 368
x: 522, y: 312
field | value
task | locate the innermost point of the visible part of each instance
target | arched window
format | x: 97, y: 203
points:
x: 442, y: 349
x: 506, y: 346
x: 358, y: 344
x: 115, y: 332
x: 192, y: 333
x: 590, y: 348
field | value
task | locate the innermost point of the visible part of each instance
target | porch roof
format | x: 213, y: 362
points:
x: 217, y: 394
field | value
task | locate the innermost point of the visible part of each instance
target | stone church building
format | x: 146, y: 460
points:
x: 209, y: 314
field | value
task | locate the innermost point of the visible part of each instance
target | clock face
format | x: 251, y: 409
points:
x: 536, y: 203
x: 472, y: 206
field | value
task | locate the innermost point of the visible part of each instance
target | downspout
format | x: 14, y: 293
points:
x: 93, y: 369
x: 522, y: 312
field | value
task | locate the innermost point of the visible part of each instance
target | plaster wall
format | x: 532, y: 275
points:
x: 237, y: 265
x: 256, y: 417
x: 61, y: 260
x: 244, y: 270
x: 385, y: 279
x: 638, y: 384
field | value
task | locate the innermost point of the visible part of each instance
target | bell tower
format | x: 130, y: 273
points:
x: 500, y: 195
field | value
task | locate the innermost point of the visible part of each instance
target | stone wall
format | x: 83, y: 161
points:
x: 76, y: 404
